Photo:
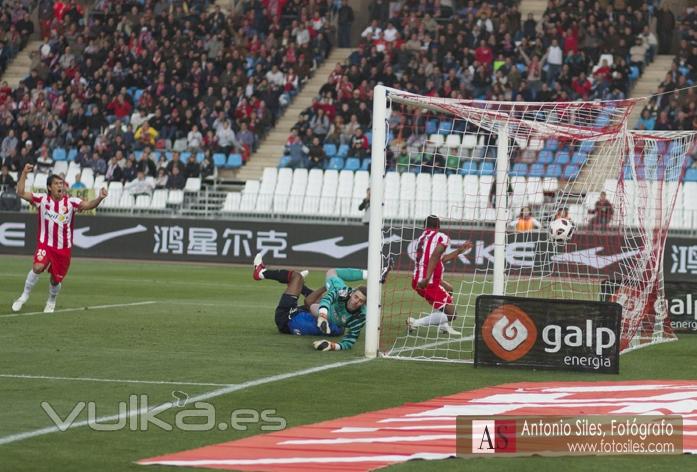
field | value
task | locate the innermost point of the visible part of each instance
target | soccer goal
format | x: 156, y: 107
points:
x: 477, y: 165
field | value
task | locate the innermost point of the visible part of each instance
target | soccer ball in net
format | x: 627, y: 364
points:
x: 561, y: 230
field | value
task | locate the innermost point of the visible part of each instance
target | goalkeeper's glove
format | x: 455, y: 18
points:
x: 322, y: 322
x: 325, y: 345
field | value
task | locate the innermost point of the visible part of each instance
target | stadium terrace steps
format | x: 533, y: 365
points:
x: 271, y: 149
x: 648, y: 83
x: 20, y: 66
x: 536, y: 7
x: 593, y: 174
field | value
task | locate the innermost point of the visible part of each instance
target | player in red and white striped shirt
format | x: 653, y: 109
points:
x: 427, y: 279
x: 56, y: 213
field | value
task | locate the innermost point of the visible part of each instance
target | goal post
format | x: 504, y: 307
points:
x: 477, y: 165
x: 375, y: 263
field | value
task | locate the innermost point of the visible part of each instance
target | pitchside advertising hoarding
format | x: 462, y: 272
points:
x: 547, y: 334
x: 326, y: 245
x: 322, y: 245
x: 680, y: 269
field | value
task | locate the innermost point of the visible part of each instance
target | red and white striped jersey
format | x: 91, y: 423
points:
x: 56, y: 220
x: 425, y: 246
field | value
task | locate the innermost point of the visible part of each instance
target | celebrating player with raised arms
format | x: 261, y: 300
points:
x: 56, y: 217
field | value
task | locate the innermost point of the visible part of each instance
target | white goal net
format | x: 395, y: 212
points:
x: 497, y: 174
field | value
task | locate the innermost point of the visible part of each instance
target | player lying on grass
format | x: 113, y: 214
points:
x: 56, y: 211
x: 427, y: 279
x: 332, y: 310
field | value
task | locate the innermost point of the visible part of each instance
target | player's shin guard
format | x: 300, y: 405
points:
x: 53, y: 291
x: 435, y: 318
x: 32, y: 278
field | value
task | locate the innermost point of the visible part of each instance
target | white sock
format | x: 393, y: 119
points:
x: 261, y: 273
x: 53, y: 291
x: 435, y: 318
x: 444, y: 325
x: 32, y: 278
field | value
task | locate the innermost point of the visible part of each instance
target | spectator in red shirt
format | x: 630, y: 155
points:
x: 484, y: 54
x: 582, y: 86
x: 120, y: 107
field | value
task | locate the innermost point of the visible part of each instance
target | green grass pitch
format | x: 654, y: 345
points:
x: 213, y: 325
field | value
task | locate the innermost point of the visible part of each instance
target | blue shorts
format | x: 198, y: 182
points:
x: 291, y: 319
x: 304, y: 324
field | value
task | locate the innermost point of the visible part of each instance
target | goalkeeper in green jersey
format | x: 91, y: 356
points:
x: 333, y: 310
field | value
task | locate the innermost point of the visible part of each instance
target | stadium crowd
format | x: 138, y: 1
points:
x: 675, y: 106
x: 132, y: 80
x: 136, y: 82
x: 578, y: 51
x: 16, y: 28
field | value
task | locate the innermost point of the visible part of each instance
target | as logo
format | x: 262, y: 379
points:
x: 509, y: 332
x: 492, y: 436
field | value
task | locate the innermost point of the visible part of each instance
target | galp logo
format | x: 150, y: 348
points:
x: 509, y: 332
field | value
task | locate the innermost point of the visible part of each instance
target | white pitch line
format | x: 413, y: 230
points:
x: 169, y: 405
x: 150, y: 281
x: 81, y: 308
x: 90, y: 379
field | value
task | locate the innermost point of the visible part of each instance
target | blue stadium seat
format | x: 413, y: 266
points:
x: 562, y: 158
x: 691, y: 175
x: 469, y: 168
x: 219, y: 159
x: 551, y: 145
x: 537, y: 170
x: 138, y: 154
x: 330, y: 150
x: 586, y: 147
x: 285, y: 160
x: 431, y: 126
x: 184, y: 156
x: 343, y: 150
x: 445, y: 126
x: 571, y: 171
x: 366, y: 164
x: 59, y: 154
x: 602, y: 120
x: 168, y: 155
x: 628, y: 173
x: 579, y: 158
x: 486, y: 168
x: 369, y: 137
x: 336, y: 163
x: 352, y: 163
x: 520, y: 169
x: 156, y: 156
x: 545, y: 157
x: 553, y: 170
x: 200, y: 157
x: 234, y: 161
x: 72, y: 154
